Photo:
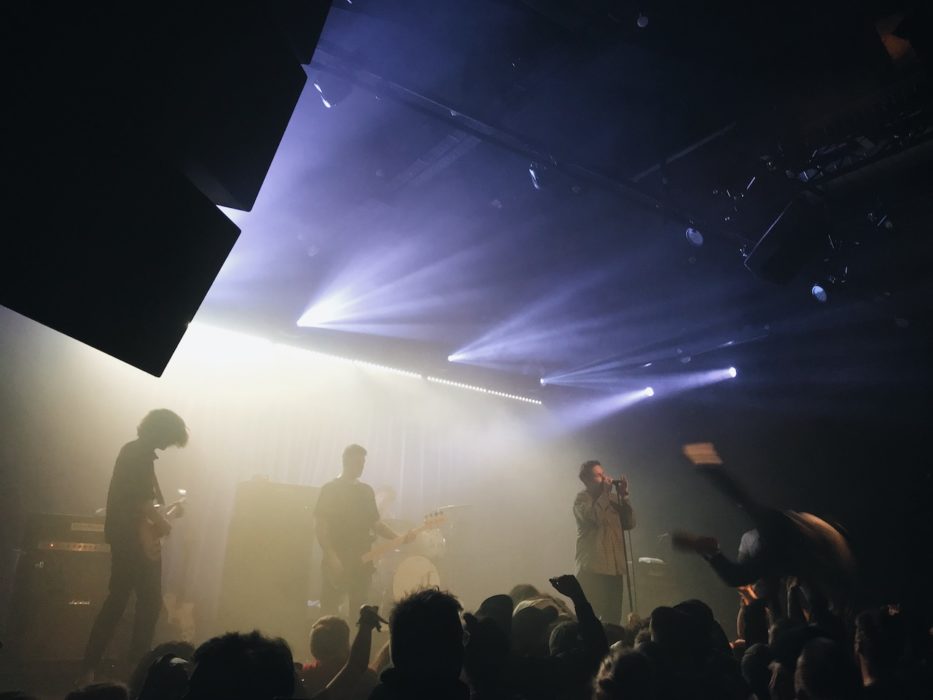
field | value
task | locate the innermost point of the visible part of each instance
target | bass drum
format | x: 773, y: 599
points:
x: 412, y: 574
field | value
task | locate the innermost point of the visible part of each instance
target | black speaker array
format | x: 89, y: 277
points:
x: 125, y: 125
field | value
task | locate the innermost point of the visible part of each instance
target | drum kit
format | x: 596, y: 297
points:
x: 414, y: 566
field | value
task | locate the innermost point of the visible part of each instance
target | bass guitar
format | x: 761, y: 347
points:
x: 366, y: 561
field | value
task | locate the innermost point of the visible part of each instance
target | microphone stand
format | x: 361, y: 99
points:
x: 626, y: 550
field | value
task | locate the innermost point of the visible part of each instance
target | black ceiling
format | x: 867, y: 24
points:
x: 411, y: 195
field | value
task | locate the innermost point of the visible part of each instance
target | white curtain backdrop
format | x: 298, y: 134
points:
x: 284, y: 414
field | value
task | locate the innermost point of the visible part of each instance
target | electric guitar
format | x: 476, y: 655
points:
x: 432, y: 521
x: 149, y: 538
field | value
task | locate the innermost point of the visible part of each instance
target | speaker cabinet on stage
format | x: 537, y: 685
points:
x: 116, y: 165
x: 61, y: 582
x: 655, y: 585
x: 268, y: 564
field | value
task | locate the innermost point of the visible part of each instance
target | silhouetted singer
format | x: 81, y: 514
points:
x: 602, y: 517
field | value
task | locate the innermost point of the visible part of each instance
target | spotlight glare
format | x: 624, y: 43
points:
x: 327, y: 310
x: 819, y: 293
x: 648, y: 391
x: 733, y: 372
x: 543, y: 381
x: 320, y: 92
x: 533, y: 174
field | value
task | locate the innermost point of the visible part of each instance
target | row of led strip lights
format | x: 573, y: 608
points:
x: 435, y: 380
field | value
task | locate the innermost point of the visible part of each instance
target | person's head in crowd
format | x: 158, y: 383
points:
x: 778, y: 628
x: 643, y: 635
x: 523, y: 591
x: 880, y: 641
x: 530, y: 627
x: 564, y: 638
x: 678, y: 633
x: 624, y: 675
x: 329, y: 641
x: 486, y: 656
x: 354, y: 459
x: 617, y: 634
x: 786, y: 646
x: 702, y: 615
x: 755, y: 669
x: 167, y: 679
x: 239, y: 666
x: 498, y: 608
x: 753, y: 622
x: 788, y: 642
x: 427, y: 637
x: 550, y: 604
x: 825, y: 672
x: 99, y: 691
x: 146, y: 674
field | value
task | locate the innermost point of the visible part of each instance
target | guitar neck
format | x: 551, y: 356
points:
x: 379, y: 550
x: 172, y: 510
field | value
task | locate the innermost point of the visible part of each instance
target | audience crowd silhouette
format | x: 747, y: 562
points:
x: 794, y: 639
x: 530, y: 645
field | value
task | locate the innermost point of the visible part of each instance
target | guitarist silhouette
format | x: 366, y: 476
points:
x: 131, y: 514
x: 347, y: 523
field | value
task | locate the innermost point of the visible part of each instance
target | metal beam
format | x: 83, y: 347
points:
x: 327, y: 59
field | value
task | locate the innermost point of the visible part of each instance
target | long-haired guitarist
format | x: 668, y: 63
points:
x: 131, y: 514
x: 347, y: 522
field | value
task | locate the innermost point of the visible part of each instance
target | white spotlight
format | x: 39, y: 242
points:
x: 543, y: 381
x: 733, y: 372
x: 693, y: 236
x: 642, y: 20
x: 819, y: 293
x: 648, y: 391
x: 327, y: 310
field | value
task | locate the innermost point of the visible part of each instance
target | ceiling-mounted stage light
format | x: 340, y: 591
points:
x: 533, y: 173
x: 648, y: 391
x: 320, y: 93
x: 733, y: 372
x: 642, y: 20
x: 693, y: 236
x: 331, y: 89
x: 818, y: 292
